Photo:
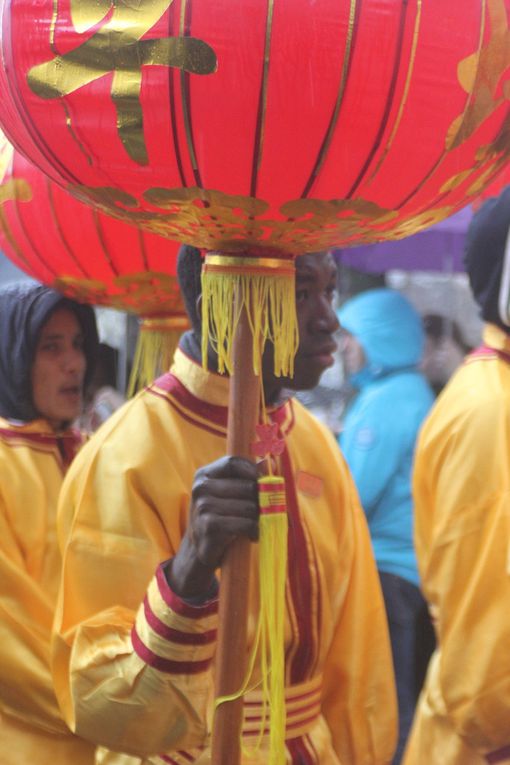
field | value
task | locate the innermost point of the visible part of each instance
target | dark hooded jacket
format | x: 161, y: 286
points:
x: 24, y: 309
x: 484, y: 255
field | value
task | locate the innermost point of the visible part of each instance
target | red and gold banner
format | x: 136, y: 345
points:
x: 286, y: 125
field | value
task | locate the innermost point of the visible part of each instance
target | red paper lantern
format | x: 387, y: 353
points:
x: 81, y: 252
x: 291, y: 125
x: 495, y: 188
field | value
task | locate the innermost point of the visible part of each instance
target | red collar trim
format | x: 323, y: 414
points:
x: 486, y: 352
x: 176, y: 392
x: 64, y: 445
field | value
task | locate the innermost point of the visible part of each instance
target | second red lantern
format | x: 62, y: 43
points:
x: 79, y: 251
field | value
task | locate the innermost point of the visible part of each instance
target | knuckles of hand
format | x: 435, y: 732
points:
x: 212, y: 531
x: 224, y: 505
x: 199, y: 487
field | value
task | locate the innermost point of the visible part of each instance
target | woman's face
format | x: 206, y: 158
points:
x: 58, y: 369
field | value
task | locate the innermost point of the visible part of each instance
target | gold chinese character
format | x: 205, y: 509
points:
x: 117, y: 47
x: 480, y: 75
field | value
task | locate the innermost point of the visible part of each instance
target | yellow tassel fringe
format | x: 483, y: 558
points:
x: 157, y: 341
x: 265, y: 287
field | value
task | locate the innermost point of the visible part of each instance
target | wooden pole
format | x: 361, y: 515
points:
x: 231, y: 656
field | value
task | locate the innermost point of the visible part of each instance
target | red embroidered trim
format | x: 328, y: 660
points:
x: 485, y: 351
x: 172, y: 385
x: 173, y: 635
x: 179, y: 606
x: 318, y: 617
x: 63, y: 447
x: 299, y: 752
x: 498, y: 755
x: 187, y: 417
x: 186, y: 755
x: 289, y: 727
x: 169, y: 666
x: 299, y: 579
x: 169, y: 386
x: 38, y: 438
x: 181, y: 754
x: 41, y: 438
x: 293, y: 699
x: 68, y: 447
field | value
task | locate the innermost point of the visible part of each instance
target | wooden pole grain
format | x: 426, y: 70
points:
x: 231, y: 656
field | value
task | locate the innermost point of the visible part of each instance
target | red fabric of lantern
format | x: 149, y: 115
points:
x: 290, y: 125
x: 495, y: 188
x: 79, y: 251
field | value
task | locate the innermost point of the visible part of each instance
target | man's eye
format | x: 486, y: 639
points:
x: 301, y: 295
x: 330, y: 291
x: 51, y: 347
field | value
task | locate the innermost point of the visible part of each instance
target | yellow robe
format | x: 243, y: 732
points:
x: 138, y: 678
x: 462, y: 507
x: 31, y: 468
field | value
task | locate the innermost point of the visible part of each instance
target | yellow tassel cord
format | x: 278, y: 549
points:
x: 157, y: 341
x: 272, y: 576
x: 269, y: 644
x: 265, y: 287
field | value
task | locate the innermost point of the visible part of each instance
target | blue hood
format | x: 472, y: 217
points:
x: 388, y: 329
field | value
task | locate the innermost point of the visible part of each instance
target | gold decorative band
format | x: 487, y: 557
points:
x: 163, y: 323
x: 248, y: 265
x: 302, y: 705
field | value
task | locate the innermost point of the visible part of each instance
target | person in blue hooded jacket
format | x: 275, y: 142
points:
x: 382, y: 344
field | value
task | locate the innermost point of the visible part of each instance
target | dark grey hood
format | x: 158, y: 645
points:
x: 24, y: 309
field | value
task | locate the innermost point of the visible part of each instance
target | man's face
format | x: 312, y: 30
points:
x: 317, y: 322
x: 58, y: 369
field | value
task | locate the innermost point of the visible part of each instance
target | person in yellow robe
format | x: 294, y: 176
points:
x: 462, y: 499
x: 47, y: 345
x: 146, y: 512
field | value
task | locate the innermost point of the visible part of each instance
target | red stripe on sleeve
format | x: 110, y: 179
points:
x: 179, y: 606
x: 166, y: 665
x: 176, y: 636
